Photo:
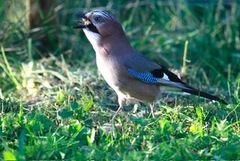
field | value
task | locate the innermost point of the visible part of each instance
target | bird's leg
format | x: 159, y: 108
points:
x: 113, y: 122
x: 152, y: 111
x: 116, y: 113
x: 121, y: 101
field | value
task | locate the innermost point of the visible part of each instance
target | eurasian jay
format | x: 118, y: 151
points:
x: 130, y: 74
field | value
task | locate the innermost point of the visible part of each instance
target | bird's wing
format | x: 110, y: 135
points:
x: 159, y: 76
x: 147, y: 71
x: 139, y: 63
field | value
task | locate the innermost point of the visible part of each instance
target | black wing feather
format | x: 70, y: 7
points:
x: 159, y: 73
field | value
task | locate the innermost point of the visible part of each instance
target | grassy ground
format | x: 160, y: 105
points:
x: 55, y: 105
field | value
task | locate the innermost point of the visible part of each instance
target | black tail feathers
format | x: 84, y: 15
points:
x: 204, y: 94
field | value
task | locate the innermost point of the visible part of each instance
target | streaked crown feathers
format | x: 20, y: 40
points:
x: 105, y: 14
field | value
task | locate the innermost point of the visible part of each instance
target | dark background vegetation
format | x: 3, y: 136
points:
x: 54, y: 105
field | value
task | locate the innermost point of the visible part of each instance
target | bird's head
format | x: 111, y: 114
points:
x: 102, y: 29
x: 98, y: 22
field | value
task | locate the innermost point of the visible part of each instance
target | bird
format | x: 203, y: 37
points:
x: 130, y: 74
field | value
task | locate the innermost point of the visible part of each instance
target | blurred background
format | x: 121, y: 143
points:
x: 55, y: 106
x: 34, y: 30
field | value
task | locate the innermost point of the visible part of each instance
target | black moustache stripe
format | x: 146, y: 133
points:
x: 92, y: 28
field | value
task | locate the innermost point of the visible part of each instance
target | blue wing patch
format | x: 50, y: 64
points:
x: 145, y: 77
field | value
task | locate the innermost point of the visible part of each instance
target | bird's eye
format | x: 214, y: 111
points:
x: 98, y: 19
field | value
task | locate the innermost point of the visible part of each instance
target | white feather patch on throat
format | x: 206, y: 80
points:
x: 92, y: 37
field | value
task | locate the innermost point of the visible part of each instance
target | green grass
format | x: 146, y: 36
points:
x: 55, y: 106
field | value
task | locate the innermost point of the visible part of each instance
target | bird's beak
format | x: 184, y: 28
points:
x: 84, y: 23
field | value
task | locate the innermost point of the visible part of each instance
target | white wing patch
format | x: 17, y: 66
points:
x: 165, y: 77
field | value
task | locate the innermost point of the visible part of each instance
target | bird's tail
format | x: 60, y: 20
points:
x: 169, y: 79
x: 196, y: 92
x: 189, y: 89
